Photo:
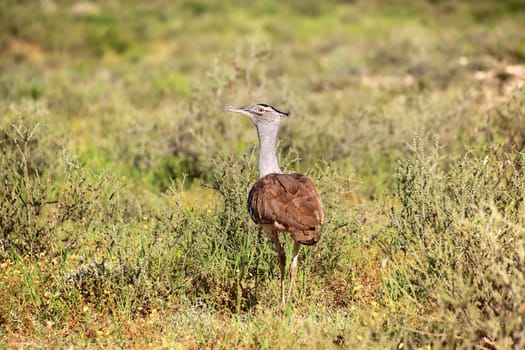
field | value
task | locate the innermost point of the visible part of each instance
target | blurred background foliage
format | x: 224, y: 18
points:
x: 123, y: 182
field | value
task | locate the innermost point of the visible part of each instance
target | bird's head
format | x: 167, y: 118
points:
x: 259, y: 113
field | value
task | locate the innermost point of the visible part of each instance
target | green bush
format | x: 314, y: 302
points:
x: 43, y: 190
x: 26, y: 190
x: 459, y: 229
x: 508, y: 121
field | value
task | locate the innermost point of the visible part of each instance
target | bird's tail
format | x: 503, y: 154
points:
x: 307, y: 237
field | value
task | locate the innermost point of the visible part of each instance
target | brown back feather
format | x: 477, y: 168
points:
x: 290, y: 200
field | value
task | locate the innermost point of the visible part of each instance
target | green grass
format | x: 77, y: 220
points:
x: 123, y: 183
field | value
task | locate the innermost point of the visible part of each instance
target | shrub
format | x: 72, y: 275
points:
x: 25, y: 187
x: 508, y: 121
x: 459, y: 228
x: 43, y: 190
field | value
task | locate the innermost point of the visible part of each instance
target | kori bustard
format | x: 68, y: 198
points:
x: 281, y: 202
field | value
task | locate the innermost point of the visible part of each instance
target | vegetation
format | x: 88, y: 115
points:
x: 123, y: 183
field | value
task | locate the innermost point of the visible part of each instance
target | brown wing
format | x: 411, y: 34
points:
x: 290, y: 202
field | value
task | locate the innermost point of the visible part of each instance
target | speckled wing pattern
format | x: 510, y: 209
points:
x: 289, y: 202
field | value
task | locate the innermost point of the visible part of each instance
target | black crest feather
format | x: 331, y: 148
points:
x: 275, y: 109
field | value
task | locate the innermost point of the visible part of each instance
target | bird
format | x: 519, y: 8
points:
x: 280, y: 202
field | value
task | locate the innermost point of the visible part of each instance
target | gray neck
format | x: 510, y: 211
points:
x: 267, y: 144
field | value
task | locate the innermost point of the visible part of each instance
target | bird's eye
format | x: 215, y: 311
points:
x: 260, y: 110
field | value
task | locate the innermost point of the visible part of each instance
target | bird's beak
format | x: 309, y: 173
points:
x: 236, y: 109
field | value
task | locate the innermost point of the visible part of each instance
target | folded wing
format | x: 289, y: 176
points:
x: 289, y: 202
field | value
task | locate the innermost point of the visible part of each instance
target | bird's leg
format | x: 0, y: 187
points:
x: 282, y: 263
x: 293, y: 266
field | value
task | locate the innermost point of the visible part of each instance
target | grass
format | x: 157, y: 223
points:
x: 123, y: 183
